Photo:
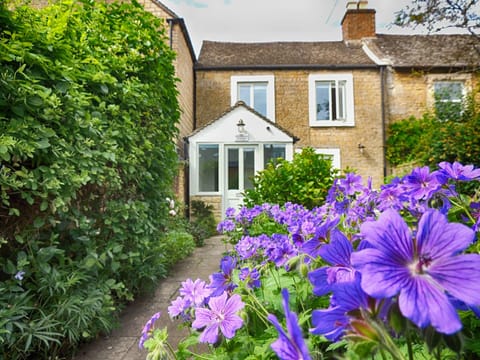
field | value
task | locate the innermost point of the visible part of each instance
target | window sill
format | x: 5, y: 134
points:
x: 337, y: 123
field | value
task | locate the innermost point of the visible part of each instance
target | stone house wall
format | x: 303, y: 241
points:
x: 292, y: 113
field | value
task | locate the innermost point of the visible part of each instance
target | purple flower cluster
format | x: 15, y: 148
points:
x: 148, y: 329
x: 371, y: 251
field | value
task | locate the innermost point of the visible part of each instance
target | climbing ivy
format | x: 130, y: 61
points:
x: 88, y: 114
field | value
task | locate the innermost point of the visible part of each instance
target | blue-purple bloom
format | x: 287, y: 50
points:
x: 195, y: 291
x: 337, y: 253
x: 312, y: 247
x: 222, y: 281
x: 335, y: 321
x: 421, y: 184
x: 250, y: 277
x: 147, y: 329
x: 457, y: 171
x: 422, y: 269
x: 221, y: 315
x: 290, y: 344
x: 178, y: 307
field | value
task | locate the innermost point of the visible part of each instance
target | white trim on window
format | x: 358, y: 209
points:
x: 269, y: 79
x: 347, y: 109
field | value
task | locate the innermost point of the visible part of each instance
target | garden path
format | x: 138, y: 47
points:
x: 122, y: 343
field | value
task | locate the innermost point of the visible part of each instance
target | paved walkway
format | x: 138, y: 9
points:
x: 122, y: 343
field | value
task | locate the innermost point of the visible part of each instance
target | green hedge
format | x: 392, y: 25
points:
x: 88, y: 114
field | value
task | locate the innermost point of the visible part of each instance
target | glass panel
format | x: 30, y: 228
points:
x: 233, y: 169
x: 448, y: 90
x: 271, y: 152
x: 208, y: 167
x: 260, y: 98
x: 323, y: 99
x: 248, y: 167
x: 341, y: 112
x: 244, y: 93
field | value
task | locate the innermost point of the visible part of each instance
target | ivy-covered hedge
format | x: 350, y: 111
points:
x: 88, y: 114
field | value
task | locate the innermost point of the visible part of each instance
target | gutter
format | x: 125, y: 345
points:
x: 383, y: 81
x: 285, y: 67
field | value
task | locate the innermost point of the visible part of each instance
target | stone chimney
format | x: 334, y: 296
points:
x: 358, y: 21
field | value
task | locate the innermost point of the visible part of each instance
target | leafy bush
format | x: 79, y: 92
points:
x: 177, y: 246
x: 202, y: 222
x: 304, y: 181
x: 445, y: 135
x: 88, y: 113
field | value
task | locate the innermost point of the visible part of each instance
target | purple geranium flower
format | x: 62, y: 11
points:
x: 251, y: 277
x: 336, y: 253
x: 335, y: 321
x: 421, y: 184
x: 147, y: 329
x: 457, y: 171
x: 195, y: 291
x: 422, y: 269
x: 312, y: 247
x: 290, y: 345
x: 178, y: 307
x: 222, y: 281
x: 221, y: 315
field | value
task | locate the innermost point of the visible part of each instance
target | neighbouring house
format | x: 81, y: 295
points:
x: 257, y: 101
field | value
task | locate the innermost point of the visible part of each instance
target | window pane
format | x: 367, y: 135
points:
x: 448, y: 90
x: 341, y: 110
x: 233, y: 183
x: 244, y: 93
x: 323, y: 99
x: 208, y: 167
x: 248, y: 167
x: 271, y: 152
x: 260, y: 98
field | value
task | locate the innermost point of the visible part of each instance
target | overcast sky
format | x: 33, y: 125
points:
x: 274, y: 20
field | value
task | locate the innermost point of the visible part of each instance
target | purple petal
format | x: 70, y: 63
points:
x: 382, y: 276
x: 424, y: 304
x: 318, y: 278
x: 230, y: 324
x: 210, y: 334
x: 331, y: 323
x: 338, y: 251
x: 391, y: 235
x: 233, y: 304
x: 459, y: 276
x: 437, y: 237
x: 283, y: 347
x: 217, y: 304
x: 203, y: 317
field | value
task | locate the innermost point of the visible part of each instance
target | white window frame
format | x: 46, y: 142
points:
x: 333, y: 152
x: 195, y: 171
x: 269, y: 79
x: 349, y: 100
x: 466, y: 79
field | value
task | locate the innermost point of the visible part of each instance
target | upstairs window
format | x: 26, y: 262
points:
x: 331, y: 100
x: 256, y: 92
x: 449, y: 96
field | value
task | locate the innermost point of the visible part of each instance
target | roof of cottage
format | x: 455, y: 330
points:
x: 420, y: 51
x: 408, y: 51
x: 229, y: 55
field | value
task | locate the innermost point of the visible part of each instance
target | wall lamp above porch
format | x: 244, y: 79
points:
x: 242, y: 134
x: 361, y: 148
x: 241, y: 126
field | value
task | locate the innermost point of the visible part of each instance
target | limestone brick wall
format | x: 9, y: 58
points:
x: 215, y: 201
x: 292, y: 113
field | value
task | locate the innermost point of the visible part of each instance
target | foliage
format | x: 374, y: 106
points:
x: 436, y: 15
x: 317, y: 260
x: 202, y: 222
x: 305, y: 180
x: 88, y: 114
x: 177, y: 246
x: 437, y: 137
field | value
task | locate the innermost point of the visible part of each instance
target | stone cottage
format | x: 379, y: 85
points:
x: 255, y: 101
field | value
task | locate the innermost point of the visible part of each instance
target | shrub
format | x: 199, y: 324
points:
x: 202, y: 223
x: 88, y: 113
x: 304, y: 181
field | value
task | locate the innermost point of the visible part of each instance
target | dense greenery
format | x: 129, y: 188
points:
x: 88, y: 112
x: 304, y: 181
x: 436, y: 137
